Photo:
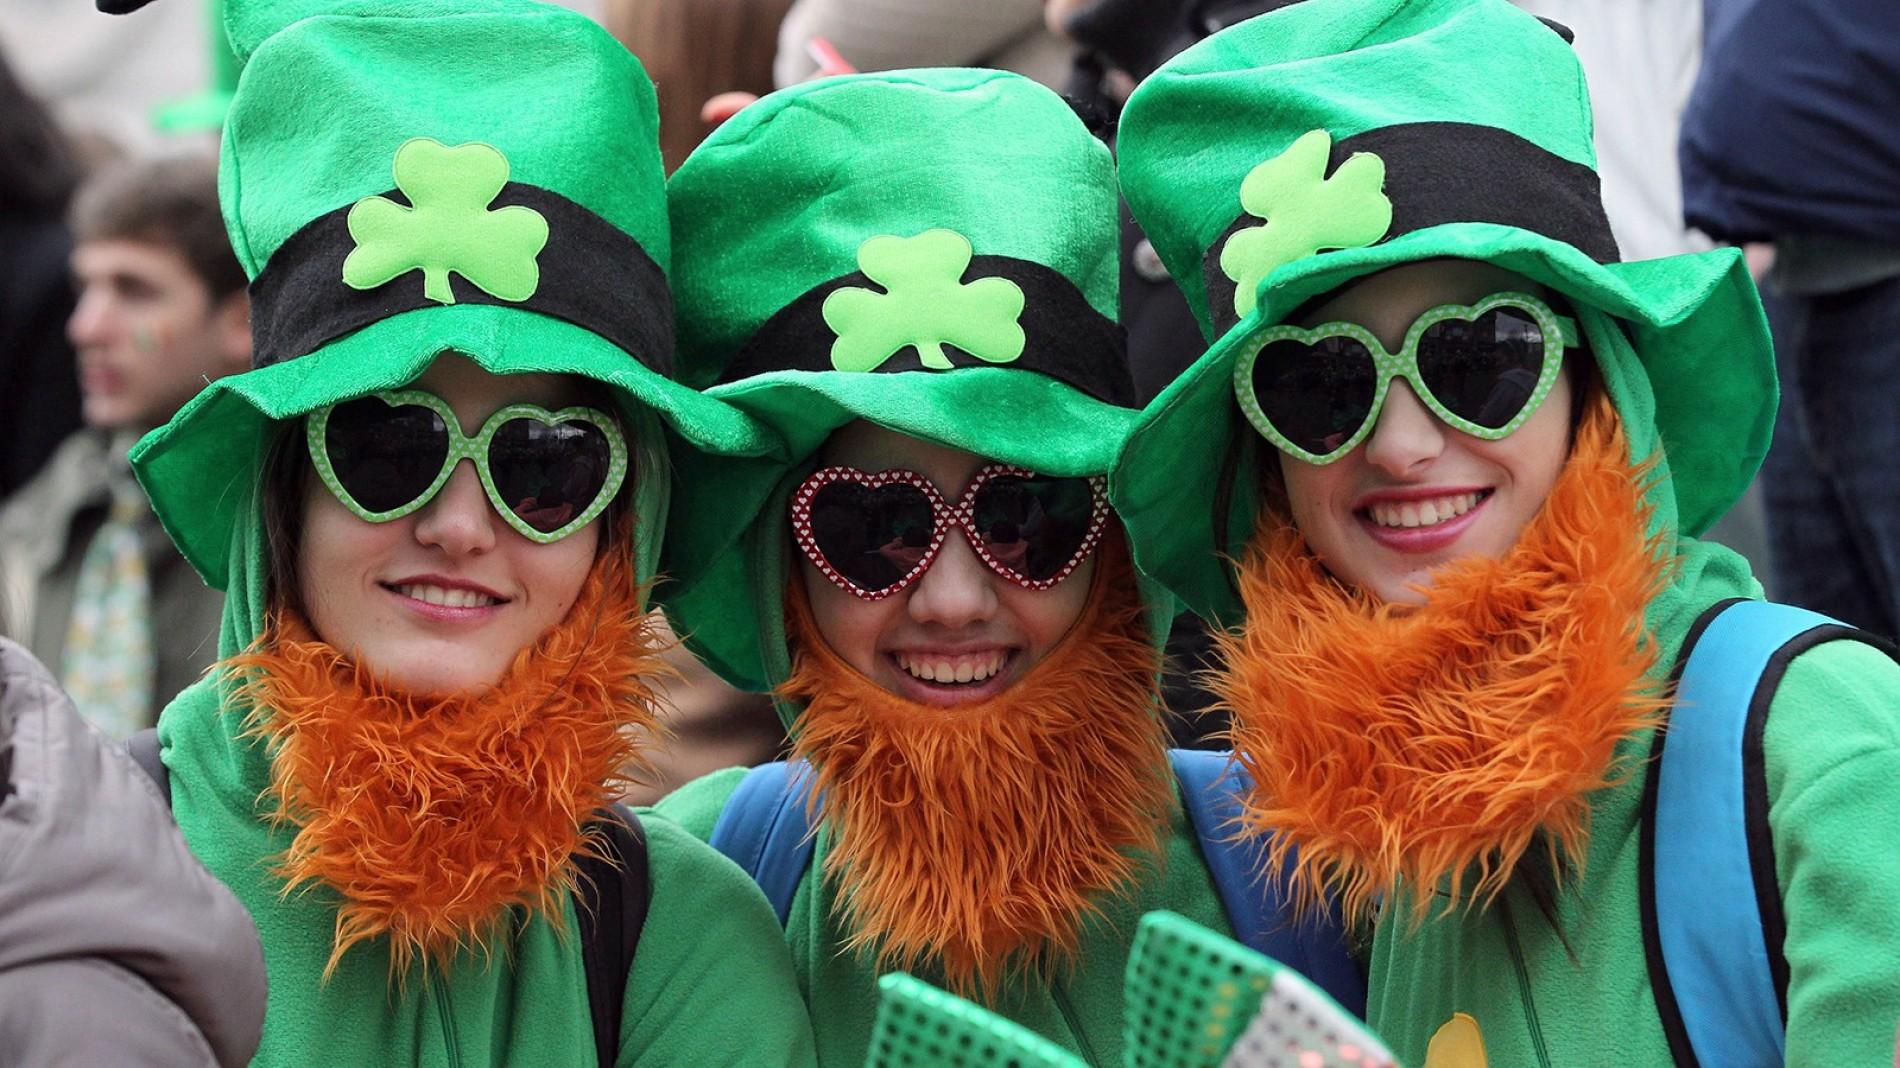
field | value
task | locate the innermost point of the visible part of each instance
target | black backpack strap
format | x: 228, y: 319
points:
x: 143, y: 746
x: 610, y: 900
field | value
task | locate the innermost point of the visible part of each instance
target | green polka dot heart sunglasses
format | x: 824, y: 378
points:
x: 1483, y: 368
x: 547, y: 473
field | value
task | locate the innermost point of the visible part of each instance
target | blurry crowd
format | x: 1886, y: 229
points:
x: 1725, y: 121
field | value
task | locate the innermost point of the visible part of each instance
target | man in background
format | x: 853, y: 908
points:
x: 89, y: 582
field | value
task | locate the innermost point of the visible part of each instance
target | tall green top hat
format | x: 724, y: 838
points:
x: 931, y: 250
x: 405, y: 177
x: 1296, y: 151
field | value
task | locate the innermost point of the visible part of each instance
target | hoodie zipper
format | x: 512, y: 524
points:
x: 448, y: 1023
x: 1523, y: 983
x: 1061, y: 998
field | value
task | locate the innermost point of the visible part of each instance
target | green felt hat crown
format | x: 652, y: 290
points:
x: 1289, y: 154
x: 931, y: 250
x: 1191, y: 999
x: 402, y: 178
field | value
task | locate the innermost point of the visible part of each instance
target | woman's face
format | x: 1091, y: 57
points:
x: 1365, y: 514
x: 959, y: 618
x: 441, y: 600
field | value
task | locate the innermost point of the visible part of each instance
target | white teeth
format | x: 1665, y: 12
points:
x: 446, y: 598
x: 961, y: 670
x: 1424, y: 513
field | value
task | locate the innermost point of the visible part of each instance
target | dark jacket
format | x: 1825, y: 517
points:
x: 116, y: 946
x: 1792, y: 127
x: 40, y: 405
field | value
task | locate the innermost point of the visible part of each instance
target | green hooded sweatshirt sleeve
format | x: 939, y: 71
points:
x: 1493, y: 161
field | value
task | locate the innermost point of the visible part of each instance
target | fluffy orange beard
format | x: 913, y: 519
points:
x: 436, y: 816
x: 977, y: 838
x: 1434, y: 744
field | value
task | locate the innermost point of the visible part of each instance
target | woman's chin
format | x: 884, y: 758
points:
x: 449, y: 672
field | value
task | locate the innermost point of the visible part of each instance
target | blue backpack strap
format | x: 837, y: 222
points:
x: 1212, y: 786
x: 764, y: 830
x: 1711, y: 906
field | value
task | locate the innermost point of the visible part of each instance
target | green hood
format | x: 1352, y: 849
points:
x: 1290, y: 154
x: 934, y: 251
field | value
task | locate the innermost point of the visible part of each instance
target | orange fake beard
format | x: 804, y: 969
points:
x: 1432, y: 745
x: 977, y: 838
x: 435, y: 817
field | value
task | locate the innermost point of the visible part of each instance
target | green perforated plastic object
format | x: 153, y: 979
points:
x: 919, y: 1026
x: 1198, y: 1000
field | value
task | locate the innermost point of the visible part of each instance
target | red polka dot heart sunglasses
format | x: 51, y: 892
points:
x: 873, y: 535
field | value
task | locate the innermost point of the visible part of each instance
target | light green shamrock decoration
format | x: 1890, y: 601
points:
x: 450, y: 227
x: 1305, y: 211
x: 927, y: 305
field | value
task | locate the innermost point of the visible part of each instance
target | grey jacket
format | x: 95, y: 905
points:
x: 44, y: 532
x: 116, y: 945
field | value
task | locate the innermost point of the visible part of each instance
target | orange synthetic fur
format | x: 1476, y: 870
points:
x: 1433, y: 745
x: 435, y: 817
x: 977, y: 838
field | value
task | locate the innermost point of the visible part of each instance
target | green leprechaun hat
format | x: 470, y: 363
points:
x: 930, y: 250
x: 1191, y: 999
x: 402, y: 178
x: 1289, y: 154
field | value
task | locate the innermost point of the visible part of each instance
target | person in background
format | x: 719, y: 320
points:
x: 91, y: 584
x: 116, y: 946
x: 1790, y: 138
x: 873, y: 35
x: 40, y: 404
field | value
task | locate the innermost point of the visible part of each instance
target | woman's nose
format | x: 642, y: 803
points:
x: 1408, y: 436
x: 459, y: 520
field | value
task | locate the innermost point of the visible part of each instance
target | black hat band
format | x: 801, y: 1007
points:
x: 592, y: 274
x: 1065, y: 337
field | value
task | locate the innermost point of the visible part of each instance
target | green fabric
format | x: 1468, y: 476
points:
x: 1304, y: 211
x: 331, y: 92
x: 925, y: 304
x: 448, y: 227
x: 812, y: 184
x: 1677, y: 338
x: 705, y: 987
x: 1081, y: 1013
x: 1832, y: 753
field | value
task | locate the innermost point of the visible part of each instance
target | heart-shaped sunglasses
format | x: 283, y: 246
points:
x: 547, y: 473
x: 873, y: 535
x: 1482, y: 368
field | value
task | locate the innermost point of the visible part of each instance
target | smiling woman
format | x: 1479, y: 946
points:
x: 435, y: 503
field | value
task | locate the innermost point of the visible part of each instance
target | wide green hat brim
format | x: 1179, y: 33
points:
x: 199, y: 467
x: 1701, y: 384
x: 723, y: 548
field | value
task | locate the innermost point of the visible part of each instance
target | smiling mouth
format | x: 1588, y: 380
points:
x: 961, y: 670
x: 444, y: 597
x: 1429, y: 512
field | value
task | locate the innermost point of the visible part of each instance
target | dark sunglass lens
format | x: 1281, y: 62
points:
x: 1485, y: 369
x: 1318, y: 395
x: 548, y: 474
x: 1034, y: 526
x: 385, y: 456
x: 873, y: 537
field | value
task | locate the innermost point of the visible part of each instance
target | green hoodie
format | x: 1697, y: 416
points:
x: 776, y: 204
x: 1492, y: 161
x: 334, y: 97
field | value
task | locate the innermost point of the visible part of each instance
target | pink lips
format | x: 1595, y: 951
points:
x: 950, y: 695
x: 443, y: 613
x: 1419, y: 540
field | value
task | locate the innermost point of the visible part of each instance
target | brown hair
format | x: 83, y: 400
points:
x: 169, y: 201
x: 695, y: 49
